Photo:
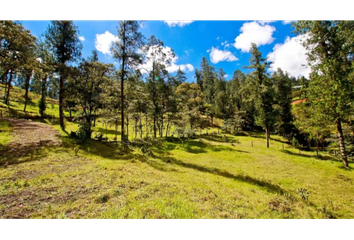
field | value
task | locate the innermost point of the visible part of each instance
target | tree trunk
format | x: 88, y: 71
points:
x: 141, y: 127
x: 341, y: 142
x: 28, y: 78
x: 116, y: 128
x: 168, y: 124
x: 61, y: 101
x: 43, y: 95
x: 8, y: 89
x: 267, y: 136
x: 122, y: 87
x: 136, y: 127
x: 127, y: 135
x: 161, y: 132
x: 155, y: 130
x: 317, y: 147
x: 146, y: 124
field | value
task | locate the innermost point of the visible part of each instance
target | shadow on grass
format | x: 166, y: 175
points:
x: 19, y: 154
x: 108, y: 131
x: 192, y: 146
x: 262, y: 136
x: 217, y: 138
x: 319, y: 157
x: 242, y: 178
x: 101, y: 149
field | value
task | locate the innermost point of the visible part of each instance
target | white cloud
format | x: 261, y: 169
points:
x: 253, y: 32
x: 225, y: 44
x: 82, y: 38
x: 178, y: 23
x: 291, y: 57
x: 225, y: 76
x: 217, y: 55
x: 103, y: 42
x: 173, y: 67
x: 288, y: 21
x: 263, y: 22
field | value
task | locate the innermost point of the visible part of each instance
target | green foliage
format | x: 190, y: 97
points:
x: 84, y: 131
x: 42, y: 106
x: 330, y: 46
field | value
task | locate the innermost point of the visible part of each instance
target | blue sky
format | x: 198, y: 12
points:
x: 224, y: 43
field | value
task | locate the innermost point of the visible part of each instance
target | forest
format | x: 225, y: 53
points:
x: 148, y: 113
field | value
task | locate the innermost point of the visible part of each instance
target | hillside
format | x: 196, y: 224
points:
x: 212, y: 176
x: 207, y: 178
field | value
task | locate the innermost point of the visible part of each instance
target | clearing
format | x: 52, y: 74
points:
x: 214, y: 176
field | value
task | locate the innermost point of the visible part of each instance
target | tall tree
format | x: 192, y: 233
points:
x: 125, y: 51
x: 159, y: 57
x: 86, y: 86
x: 263, y: 91
x: 330, y: 51
x: 17, y: 47
x: 191, y: 99
x: 62, y: 39
x: 208, y: 75
x: 283, y: 98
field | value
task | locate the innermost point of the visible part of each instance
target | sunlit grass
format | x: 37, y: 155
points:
x: 210, y: 178
x: 5, y: 132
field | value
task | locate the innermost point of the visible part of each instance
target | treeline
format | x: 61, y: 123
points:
x: 154, y: 101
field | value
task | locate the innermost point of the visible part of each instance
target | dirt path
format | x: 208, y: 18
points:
x: 27, y: 136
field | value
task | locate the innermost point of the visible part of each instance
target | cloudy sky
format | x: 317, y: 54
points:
x: 224, y: 43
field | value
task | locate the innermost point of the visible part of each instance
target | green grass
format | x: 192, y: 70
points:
x: 5, y: 132
x: 17, y: 100
x: 207, y: 179
x: 214, y: 177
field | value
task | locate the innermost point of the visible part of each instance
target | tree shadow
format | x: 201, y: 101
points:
x: 260, y: 135
x: 15, y: 155
x: 319, y: 157
x: 237, y: 177
x: 107, y: 131
x: 217, y: 138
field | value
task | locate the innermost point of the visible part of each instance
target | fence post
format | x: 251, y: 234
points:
x: 252, y: 143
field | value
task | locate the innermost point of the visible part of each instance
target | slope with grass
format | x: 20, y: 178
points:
x: 209, y: 177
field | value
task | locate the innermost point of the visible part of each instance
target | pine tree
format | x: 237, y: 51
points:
x: 125, y: 51
x: 263, y: 91
x: 62, y: 39
x: 330, y: 50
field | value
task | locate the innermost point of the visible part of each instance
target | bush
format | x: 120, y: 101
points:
x: 84, y: 131
x: 42, y: 107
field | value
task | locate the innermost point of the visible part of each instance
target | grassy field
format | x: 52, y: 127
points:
x: 206, y: 178
x: 5, y: 133
x: 214, y: 176
x: 17, y: 100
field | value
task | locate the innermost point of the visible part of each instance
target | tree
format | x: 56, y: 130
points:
x: 208, y: 75
x: 125, y: 51
x: 86, y: 86
x: 330, y: 51
x: 283, y: 98
x: 263, y: 92
x: 63, y: 42
x: 310, y: 121
x: 159, y: 58
x: 191, y: 99
x: 17, y: 48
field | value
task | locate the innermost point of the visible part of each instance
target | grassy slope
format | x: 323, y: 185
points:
x: 5, y: 132
x: 209, y: 179
x: 17, y: 100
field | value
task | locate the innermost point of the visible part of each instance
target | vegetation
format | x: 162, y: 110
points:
x: 187, y: 150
